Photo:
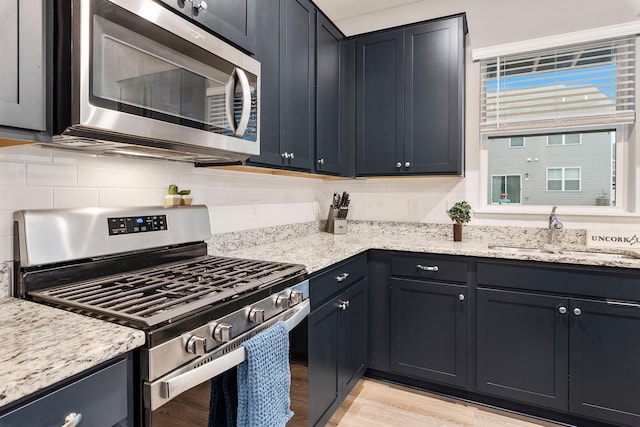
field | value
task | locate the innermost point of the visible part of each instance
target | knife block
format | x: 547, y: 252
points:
x: 336, y: 221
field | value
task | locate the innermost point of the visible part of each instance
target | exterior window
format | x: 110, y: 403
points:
x: 516, y: 142
x: 506, y: 189
x: 563, y: 179
x: 565, y: 139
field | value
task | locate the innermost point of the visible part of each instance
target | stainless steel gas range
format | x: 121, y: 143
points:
x: 148, y: 268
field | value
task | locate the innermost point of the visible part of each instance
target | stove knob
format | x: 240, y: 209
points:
x: 197, y: 345
x: 256, y: 315
x: 296, y: 296
x: 222, y: 332
x: 282, y: 302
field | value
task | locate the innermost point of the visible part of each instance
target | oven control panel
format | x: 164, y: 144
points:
x: 137, y: 224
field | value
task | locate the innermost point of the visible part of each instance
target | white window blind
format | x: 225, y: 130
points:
x: 587, y: 84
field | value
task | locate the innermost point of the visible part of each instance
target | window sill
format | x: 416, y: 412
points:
x: 490, y: 211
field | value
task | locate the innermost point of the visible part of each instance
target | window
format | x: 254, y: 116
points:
x: 563, y: 179
x: 588, y: 84
x: 564, y: 173
x: 516, y: 142
x: 506, y: 188
x: 573, y: 104
x: 564, y: 139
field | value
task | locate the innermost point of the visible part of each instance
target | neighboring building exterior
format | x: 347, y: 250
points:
x: 569, y: 169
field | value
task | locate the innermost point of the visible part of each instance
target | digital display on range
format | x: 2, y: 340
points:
x: 136, y: 224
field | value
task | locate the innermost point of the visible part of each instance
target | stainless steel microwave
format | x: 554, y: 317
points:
x: 134, y: 78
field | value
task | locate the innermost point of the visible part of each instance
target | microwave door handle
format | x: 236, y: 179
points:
x: 246, y: 102
x: 230, y: 92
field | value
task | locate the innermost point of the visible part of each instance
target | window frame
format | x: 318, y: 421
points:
x: 563, y: 180
x: 625, y: 166
x: 564, y: 142
x: 627, y: 161
x: 524, y: 142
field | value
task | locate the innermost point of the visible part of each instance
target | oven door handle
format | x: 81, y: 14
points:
x: 173, y: 386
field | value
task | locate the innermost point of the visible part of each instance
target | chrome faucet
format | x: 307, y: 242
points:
x: 554, y: 225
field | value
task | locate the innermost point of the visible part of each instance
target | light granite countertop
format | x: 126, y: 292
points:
x: 320, y: 250
x: 42, y: 345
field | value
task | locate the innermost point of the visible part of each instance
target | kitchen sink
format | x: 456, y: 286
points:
x: 591, y: 254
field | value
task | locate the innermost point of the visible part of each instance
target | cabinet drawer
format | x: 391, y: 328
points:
x: 101, y: 398
x: 335, y: 279
x: 592, y: 281
x: 429, y: 266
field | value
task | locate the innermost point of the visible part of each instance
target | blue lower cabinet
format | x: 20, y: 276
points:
x: 100, y: 399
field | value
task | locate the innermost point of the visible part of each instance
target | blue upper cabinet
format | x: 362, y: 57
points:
x: 329, y: 154
x: 410, y: 99
x: 233, y: 20
x: 285, y: 47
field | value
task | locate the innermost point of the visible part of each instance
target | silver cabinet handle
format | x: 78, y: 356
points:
x: 427, y: 267
x: 562, y: 310
x: 623, y: 303
x: 286, y: 155
x: 321, y: 161
x: 202, y: 6
x: 343, y: 305
x: 407, y: 165
x: 577, y: 311
x: 72, y: 420
x: 292, y: 156
x: 342, y: 277
x: 461, y: 297
x: 398, y: 165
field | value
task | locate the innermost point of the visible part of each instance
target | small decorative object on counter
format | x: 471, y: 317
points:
x: 175, y: 197
x: 337, y: 219
x: 459, y: 213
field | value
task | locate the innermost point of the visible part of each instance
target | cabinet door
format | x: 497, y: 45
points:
x: 23, y: 82
x: 323, y: 361
x: 267, y: 48
x: 522, y: 345
x: 327, y: 97
x: 429, y: 330
x: 101, y: 398
x: 232, y: 19
x: 298, y: 83
x: 353, y: 337
x: 434, y: 97
x: 604, y: 368
x: 379, y: 104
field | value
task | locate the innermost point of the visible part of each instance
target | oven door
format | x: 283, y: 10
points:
x: 182, y: 397
x: 144, y: 71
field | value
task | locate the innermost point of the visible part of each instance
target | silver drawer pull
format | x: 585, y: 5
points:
x: 72, y: 420
x: 623, y: 303
x: 342, y: 277
x: 427, y: 267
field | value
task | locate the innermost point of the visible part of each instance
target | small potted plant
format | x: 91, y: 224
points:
x: 459, y: 213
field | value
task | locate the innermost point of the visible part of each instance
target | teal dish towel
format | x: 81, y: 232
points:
x: 264, y: 380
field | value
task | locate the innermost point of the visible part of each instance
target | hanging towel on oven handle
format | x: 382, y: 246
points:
x: 264, y: 379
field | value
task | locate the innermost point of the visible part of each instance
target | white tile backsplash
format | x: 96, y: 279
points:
x: 75, y: 197
x: 12, y: 174
x: 51, y: 175
x: 34, y: 178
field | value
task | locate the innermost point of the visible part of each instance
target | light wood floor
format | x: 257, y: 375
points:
x: 376, y: 403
